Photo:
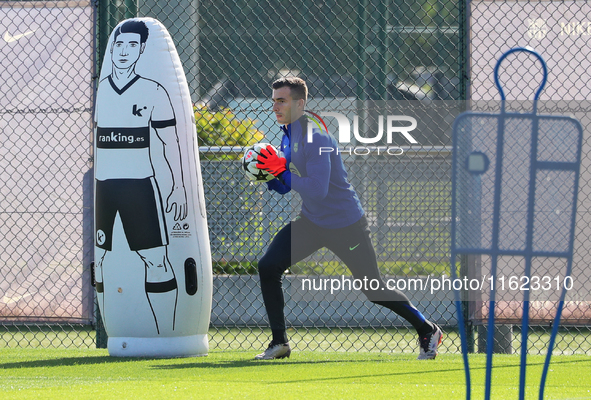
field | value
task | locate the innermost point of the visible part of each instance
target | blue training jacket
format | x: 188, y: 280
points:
x: 328, y: 199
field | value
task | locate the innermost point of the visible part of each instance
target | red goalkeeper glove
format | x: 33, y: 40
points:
x: 269, y: 161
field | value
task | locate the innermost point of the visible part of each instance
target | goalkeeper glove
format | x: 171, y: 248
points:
x: 269, y: 161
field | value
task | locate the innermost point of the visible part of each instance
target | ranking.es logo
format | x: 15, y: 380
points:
x: 389, y: 128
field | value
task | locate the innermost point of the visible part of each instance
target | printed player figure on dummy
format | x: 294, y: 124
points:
x: 125, y: 177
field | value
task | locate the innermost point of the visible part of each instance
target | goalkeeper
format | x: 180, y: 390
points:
x: 331, y: 217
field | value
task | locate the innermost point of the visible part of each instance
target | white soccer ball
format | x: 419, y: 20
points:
x: 249, y: 162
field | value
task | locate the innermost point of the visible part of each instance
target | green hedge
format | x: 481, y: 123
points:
x: 223, y: 128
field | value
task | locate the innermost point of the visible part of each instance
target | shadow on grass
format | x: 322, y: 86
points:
x: 411, y: 371
x: 69, y: 361
x: 423, y: 371
x: 254, y: 363
x: 96, y: 360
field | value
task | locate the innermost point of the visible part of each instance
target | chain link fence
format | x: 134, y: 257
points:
x: 554, y: 29
x: 367, y: 59
x: 47, y: 61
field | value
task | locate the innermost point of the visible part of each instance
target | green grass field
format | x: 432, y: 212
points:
x: 91, y: 374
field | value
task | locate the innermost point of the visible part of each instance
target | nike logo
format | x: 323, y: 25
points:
x: 15, y: 299
x: 354, y: 247
x: 10, y: 38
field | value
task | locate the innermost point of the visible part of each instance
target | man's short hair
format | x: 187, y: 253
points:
x: 298, y: 87
x: 133, y: 26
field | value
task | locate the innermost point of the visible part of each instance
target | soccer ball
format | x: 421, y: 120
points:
x: 249, y: 162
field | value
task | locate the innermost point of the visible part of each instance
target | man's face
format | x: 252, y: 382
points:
x: 286, y: 109
x: 126, y: 50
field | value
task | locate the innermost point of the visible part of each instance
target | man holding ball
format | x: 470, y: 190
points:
x: 331, y: 217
